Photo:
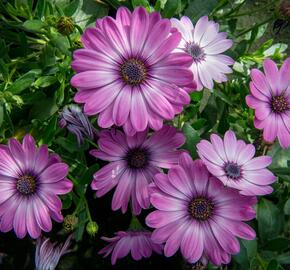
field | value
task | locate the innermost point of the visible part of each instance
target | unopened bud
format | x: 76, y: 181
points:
x: 65, y: 25
x: 51, y: 20
x: 92, y: 228
x: 70, y: 222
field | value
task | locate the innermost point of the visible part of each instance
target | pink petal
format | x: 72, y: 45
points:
x: 54, y: 173
x: 122, y: 105
x: 138, y: 114
x: 284, y: 74
x: 272, y: 74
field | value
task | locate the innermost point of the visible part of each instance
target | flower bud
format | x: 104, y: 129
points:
x: 92, y: 228
x: 65, y: 25
x: 70, y: 222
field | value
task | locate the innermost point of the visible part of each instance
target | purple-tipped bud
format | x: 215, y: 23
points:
x: 77, y: 123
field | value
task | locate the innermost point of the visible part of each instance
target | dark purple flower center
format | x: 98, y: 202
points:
x: 137, y: 158
x: 133, y: 71
x: 26, y: 184
x: 195, y: 51
x: 279, y: 104
x: 232, y: 170
x: 200, y: 208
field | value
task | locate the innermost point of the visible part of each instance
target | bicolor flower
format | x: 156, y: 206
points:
x: 128, y: 74
x: 205, y: 45
x: 270, y: 98
x: 133, y: 162
x: 30, y: 180
x: 233, y: 162
x: 197, y: 214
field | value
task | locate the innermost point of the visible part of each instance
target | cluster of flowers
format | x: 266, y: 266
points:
x: 134, y: 72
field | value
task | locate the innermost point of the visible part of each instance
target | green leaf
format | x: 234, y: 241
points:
x: 170, y: 8
x: 22, y: 83
x: 280, y: 156
x: 4, y: 70
x: 88, y: 176
x: 71, y: 8
x: 205, y: 99
x: 273, y: 265
x: 284, y: 258
x: 192, y: 138
x: 90, y: 11
x: 49, y: 131
x: 66, y: 201
x: 278, y: 244
x: 1, y: 114
x: 34, y: 25
x: 44, y: 109
x: 45, y: 81
x: 40, y: 8
x: 199, y: 8
x: 137, y: 3
x: 47, y: 57
x: 287, y: 207
x: 270, y: 220
x: 222, y: 96
x: 62, y: 44
x: 281, y: 171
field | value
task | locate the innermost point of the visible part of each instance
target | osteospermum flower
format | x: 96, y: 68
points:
x: 138, y: 243
x: 134, y: 161
x: 30, y: 180
x: 48, y: 254
x: 270, y: 98
x: 197, y: 214
x: 128, y: 74
x: 232, y: 161
x: 205, y: 44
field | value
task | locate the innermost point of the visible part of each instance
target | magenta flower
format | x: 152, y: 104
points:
x: 128, y: 74
x: 205, y: 44
x: 197, y: 214
x: 48, y: 254
x: 270, y: 98
x: 30, y: 180
x: 138, y: 243
x: 134, y: 161
x: 232, y: 161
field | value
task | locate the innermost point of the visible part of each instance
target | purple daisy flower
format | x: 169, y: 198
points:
x: 30, y: 180
x: 48, y: 254
x: 197, y: 214
x: 139, y: 243
x: 270, y: 98
x: 128, y: 74
x: 205, y: 44
x: 134, y: 161
x: 232, y: 161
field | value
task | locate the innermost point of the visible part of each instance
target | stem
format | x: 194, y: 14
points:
x: 251, y: 12
x: 75, y: 181
x: 257, y: 25
x: 265, y: 150
x: 135, y: 224
x: 87, y: 209
x: 237, y: 8
x: 92, y: 143
x: 70, y: 42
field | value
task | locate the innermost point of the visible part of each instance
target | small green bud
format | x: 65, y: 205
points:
x: 70, y: 222
x: 77, y: 44
x: 92, y: 228
x: 51, y: 20
x: 65, y: 25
